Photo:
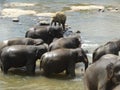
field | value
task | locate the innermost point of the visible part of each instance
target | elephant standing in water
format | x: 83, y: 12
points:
x: 58, y: 60
x: 103, y: 74
x: 20, y: 41
x: 59, y: 18
x: 116, y: 87
x: 68, y: 42
x: 112, y: 47
x: 47, y: 34
x: 21, y: 55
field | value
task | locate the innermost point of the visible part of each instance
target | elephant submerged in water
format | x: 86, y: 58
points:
x: 58, y: 60
x: 65, y: 42
x: 103, y: 74
x: 21, y: 55
x: 112, y: 47
x: 47, y: 34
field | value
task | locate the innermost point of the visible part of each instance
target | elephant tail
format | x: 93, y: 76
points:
x: 86, y: 61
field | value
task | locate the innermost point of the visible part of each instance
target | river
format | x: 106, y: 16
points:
x: 97, y: 20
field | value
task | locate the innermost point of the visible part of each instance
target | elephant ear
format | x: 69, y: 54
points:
x: 109, y: 69
x: 50, y: 30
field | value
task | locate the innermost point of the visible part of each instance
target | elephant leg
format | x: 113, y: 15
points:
x: 5, y: 67
x: 47, y: 74
x: 5, y: 70
x: 31, y: 68
x: 67, y: 72
x: 59, y: 23
x: 55, y: 23
x: 51, y: 23
x: 63, y: 25
x: 70, y: 71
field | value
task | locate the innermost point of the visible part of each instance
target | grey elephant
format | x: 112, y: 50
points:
x: 60, y: 18
x: 21, y: 55
x: 65, y: 42
x: 116, y: 87
x: 20, y: 41
x: 111, y: 47
x: 47, y: 34
x: 58, y: 60
x: 103, y: 74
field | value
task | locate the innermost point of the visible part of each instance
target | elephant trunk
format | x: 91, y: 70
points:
x: 86, y: 63
x: 85, y: 60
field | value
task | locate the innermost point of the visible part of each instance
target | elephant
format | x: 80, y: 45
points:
x: 58, y: 60
x: 103, y: 74
x: 65, y: 42
x: 60, y: 18
x: 47, y: 34
x: 20, y: 56
x: 111, y: 47
x: 20, y: 41
x: 116, y: 87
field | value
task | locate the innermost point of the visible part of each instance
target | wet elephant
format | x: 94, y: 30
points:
x: 58, y: 60
x: 103, y: 74
x: 112, y: 47
x: 20, y: 41
x: 65, y: 42
x: 21, y: 55
x: 60, y: 18
x: 47, y: 34
x: 116, y: 87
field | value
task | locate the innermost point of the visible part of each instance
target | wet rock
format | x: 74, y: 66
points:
x: 101, y: 10
x: 78, y: 32
x: 42, y: 23
x: 15, y: 19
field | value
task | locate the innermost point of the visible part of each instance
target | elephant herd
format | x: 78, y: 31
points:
x: 57, y: 53
x: 47, y: 44
x: 104, y: 72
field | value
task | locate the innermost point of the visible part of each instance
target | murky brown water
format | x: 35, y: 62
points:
x: 18, y: 80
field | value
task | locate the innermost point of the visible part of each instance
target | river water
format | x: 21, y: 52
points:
x: 98, y: 21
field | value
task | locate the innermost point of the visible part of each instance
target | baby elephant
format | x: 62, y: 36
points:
x: 59, y: 18
x: 59, y: 60
x: 21, y: 55
x: 103, y: 74
x: 65, y: 42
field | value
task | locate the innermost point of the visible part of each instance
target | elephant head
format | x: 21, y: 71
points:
x: 82, y: 57
x: 55, y: 31
x: 41, y: 49
x: 113, y: 72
